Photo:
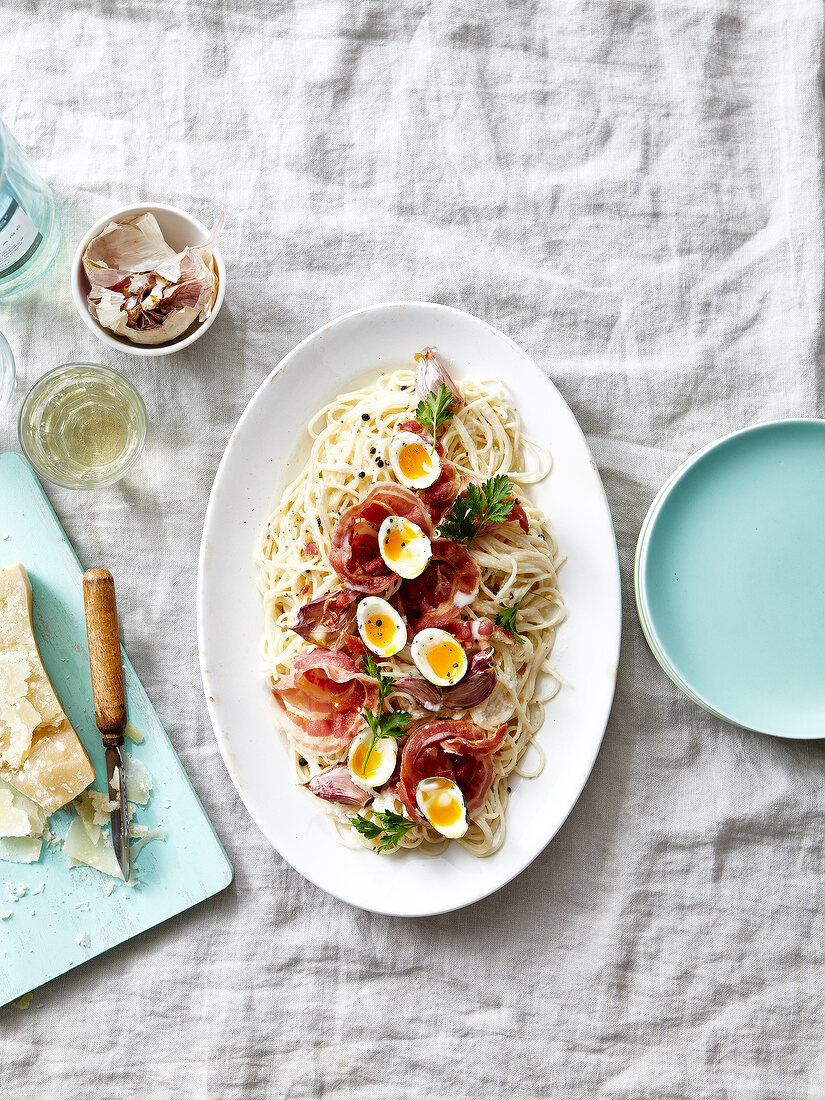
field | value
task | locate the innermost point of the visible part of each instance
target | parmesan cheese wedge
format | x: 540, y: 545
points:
x: 40, y: 753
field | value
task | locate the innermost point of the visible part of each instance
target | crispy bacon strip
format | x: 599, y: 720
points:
x: 355, y: 556
x: 320, y: 702
x: 456, y: 750
x: 449, y: 583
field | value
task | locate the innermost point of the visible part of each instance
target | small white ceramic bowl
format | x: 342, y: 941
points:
x: 180, y: 229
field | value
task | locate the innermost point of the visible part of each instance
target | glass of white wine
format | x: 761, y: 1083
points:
x: 82, y: 426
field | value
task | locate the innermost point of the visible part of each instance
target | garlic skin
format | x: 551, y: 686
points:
x: 141, y: 288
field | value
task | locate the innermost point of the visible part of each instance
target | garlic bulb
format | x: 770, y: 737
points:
x: 141, y: 288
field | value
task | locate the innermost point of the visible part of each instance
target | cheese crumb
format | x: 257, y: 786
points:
x: 134, y: 733
x: 16, y: 892
x: 83, y: 939
x: 147, y: 838
x: 94, y: 808
x: 6, y: 915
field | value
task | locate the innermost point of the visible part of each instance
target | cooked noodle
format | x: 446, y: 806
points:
x: 482, y: 439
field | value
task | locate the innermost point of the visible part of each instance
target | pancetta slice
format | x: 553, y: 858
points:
x: 439, y: 496
x: 320, y: 702
x: 448, y: 584
x: 457, y: 750
x: 355, y: 555
x: 473, y: 633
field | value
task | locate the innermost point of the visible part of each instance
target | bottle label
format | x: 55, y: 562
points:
x: 19, y: 238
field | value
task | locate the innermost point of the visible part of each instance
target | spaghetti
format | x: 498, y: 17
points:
x: 350, y: 438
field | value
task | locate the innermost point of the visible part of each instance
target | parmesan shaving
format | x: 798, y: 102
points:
x: 14, y: 822
x: 147, y: 838
x: 81, y: 850
x: 22, y: 824
x: 138, y: 780
x: 20, y: 849
x: 89, y: 840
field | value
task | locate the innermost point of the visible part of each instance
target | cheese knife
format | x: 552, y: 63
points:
x: 109, y: 696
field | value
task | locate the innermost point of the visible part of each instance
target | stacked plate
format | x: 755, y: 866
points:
x: 730, y: 578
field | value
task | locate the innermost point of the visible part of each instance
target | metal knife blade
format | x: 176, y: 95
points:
x: 120, y: 816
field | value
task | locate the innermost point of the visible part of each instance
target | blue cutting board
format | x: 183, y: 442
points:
x: 38, y: 941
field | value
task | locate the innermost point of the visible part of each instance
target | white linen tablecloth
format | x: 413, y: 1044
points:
x: 633, y: 192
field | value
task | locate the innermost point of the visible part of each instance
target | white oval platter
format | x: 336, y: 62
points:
x: 266, y: 448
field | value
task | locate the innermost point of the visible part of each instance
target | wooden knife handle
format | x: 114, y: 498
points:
x: 104, y: 654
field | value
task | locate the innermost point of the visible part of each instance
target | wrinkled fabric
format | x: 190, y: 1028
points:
x: 633, y: 192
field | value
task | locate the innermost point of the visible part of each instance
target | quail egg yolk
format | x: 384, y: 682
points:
x: 373, y: 767
x: 381, y: 627
x: 379, y: 630
x: 395, y: 543
x: 442, y: 803
x: 445, y: 659
x: 414, y: 461
x: 404, y: 546
x: 439, y: 657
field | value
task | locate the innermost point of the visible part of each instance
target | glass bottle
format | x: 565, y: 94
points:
x: 29, y: 221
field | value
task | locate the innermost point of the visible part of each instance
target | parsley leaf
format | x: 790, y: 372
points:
x: 370, y: 829
x: 435, y: 409
x: 392, y: 724
x: 490, y: 502
x: 385, y: 683
x: 394, y: 826
x: 507, y: 618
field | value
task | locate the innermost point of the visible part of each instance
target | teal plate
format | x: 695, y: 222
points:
x: 730, y: 578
